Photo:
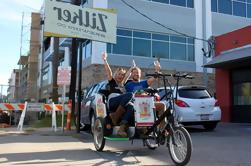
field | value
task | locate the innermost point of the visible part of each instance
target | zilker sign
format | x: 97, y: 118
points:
x: 66, y: 20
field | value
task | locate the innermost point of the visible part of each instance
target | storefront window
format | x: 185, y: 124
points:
x: 242, y: 94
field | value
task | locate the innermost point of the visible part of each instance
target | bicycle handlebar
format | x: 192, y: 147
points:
x: 157, y: 75
x: 182, y: 75
x: 176, y: 75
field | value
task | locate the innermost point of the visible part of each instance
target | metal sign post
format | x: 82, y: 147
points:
x: 63, y: 96
x: 64, y: 78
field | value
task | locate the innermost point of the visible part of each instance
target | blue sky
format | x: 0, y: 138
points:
x: 10, y: 32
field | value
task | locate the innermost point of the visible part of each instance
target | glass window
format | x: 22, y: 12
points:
x: 190, y: 52
x: 142, y: 47
x: 242, y: 94
x: 109, y: 48
x: 161, y: 37
x: 178, y: 2
x: 123, y: 32
x: 249, y: 11
x: 123, y: 46
x: 142, y: 35
x: 225, y: 6
x: 239, y: 9
x: 190, y: 3
x: 88, y: 49
x: 161, y: 1
x: 194, y: 93
x: 178, y: 39
x: 214, y: 5
x: 190, y: 40
x: 160, y: 49
x: 241, y: 0
x: 177, y: 51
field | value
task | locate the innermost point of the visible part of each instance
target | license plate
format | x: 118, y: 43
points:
x: 204, y: 117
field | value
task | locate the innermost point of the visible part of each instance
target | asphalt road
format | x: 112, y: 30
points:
x: 228, y: 145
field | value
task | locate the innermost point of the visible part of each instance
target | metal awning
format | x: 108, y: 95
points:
x: 231, y: 59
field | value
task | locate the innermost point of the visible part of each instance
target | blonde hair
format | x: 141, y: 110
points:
x: 136, y: 68
x: 119, y: 69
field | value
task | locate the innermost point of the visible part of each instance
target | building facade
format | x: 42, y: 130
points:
x: 143, y: 41
x: 233, y: 74
x: 13, y: 88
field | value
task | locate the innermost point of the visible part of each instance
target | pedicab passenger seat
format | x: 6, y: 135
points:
x: 105, y: 93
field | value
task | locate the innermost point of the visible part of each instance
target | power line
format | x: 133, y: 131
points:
x: 209, y: 42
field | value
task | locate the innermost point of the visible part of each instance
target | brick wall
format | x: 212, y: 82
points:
x: 95, y: 73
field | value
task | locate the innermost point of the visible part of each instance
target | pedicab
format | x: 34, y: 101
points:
x: 147, y: 123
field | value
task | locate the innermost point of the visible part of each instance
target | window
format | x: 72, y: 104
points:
x: 214, y: 5
x: 123, y: 32
x: 160, y: 49
x: 178, y: 2
x: 239, y: 9
x: 194, y: 93
x: 190, y: 3
x: 242, y: 93
x: 142, y: 47
x: 149, y: 44
x: 225, y: 6
x: 161, y: 1
x: 123, y: 46
x: 142, y: 35
x: 249, y: 11
x: 161, y: 37
x: 184, y: 3
x: 88, y: 49
x: 177, y: 51
x: 190, y: 53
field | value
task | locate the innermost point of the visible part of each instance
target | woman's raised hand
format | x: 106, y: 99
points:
x: 104, y: 56
x: 157, y: 66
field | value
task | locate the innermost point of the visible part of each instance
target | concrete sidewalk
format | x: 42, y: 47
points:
x: 46, y: 147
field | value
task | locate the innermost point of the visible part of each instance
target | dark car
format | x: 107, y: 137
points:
x: 88, y: 106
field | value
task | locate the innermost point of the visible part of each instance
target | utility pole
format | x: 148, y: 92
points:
x: 74, y: 56
x: 2, y: 92
x: 55, y: 64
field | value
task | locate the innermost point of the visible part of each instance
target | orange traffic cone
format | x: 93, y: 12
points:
x: 68, y: 123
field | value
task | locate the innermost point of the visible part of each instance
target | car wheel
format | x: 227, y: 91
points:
x: 210, y: 126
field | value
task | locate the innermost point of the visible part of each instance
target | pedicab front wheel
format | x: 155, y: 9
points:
x: 180, y: 146
x: 98, y: 134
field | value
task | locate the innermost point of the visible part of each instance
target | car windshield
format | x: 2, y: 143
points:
x: 194, y: 93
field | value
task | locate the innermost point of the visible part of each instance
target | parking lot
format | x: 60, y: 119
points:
x: 228, y: 145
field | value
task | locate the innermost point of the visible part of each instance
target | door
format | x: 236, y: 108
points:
x: 241, y: 90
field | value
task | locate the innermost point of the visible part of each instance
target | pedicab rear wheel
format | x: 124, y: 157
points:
x: 181, y: 148
x: 98, y: 134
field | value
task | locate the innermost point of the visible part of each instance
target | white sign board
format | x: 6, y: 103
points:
x: 66, y: 20
x: 35, y: 107
x: 144, y: 115
x: 64, y: 75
